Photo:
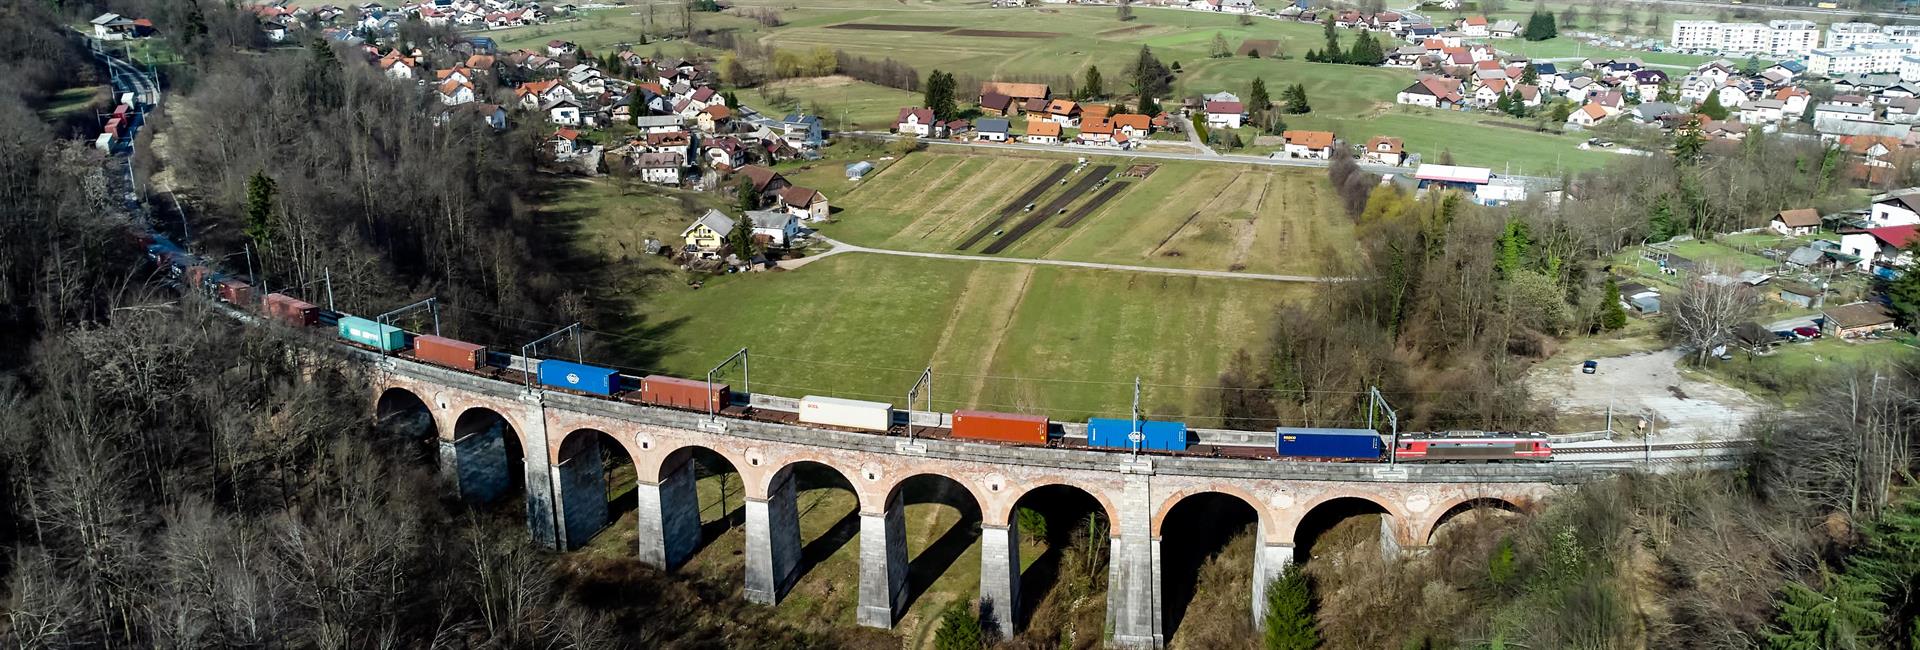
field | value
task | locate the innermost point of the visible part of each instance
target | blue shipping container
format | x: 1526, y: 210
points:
x: 365, y: 332
x: 1113, y: 433
x: 583, y: 378
x: 1328, y: 443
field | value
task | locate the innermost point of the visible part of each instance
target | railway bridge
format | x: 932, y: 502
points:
x: 476, y: 418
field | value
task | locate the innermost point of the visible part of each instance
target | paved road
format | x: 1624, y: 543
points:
x: 1193, y: 139
x: 1531, y: 181
x: 843, y: 247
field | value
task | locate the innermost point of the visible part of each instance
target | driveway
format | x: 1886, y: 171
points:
x: 1646, y: 385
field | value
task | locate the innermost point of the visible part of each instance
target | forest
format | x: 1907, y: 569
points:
x: 172, y: 479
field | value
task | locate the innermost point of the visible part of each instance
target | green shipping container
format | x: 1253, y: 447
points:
x: 365, y: 332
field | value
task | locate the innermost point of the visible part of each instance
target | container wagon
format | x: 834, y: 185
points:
x: 1355, y: 444
x: 1000, y: 427
x: 292, y: 311
x: 579, y: 376
x: 448, y: 352
x: 1114, y: 433
x: 234, y: 292
x: 195, y: 277
x: 662, y: 390
x: 385, y: 338
x: 849, y: 413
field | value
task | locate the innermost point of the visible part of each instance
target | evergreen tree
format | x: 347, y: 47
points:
x: 1751, y: 67
x: 1530, y: 75
x: 1332, y: 52
x: 1612, y: 315
x: 1688, y: 143
x: 1150, y: 78
x: 939, y: 95
x: 322, y: 74
x: 1257, y: 99
x: 1296, y: 97
x: 1903, y: 294
x: 196, y: 24
x: 1366, y: 51
x: 1219, y: 49
x: 1712, y: 107
x: 1840, y: 616
x: 744, y: 197
x: 1540, y: 26
x: 261, y: 191
x: 1513, y: 243
x: 741, y: 239
x: 959, y: 629
x: 1661, y: 224
x: 1289, y: 609
x: 1093, y: 87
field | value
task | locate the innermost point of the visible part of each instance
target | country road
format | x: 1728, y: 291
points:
x: 843, y: 247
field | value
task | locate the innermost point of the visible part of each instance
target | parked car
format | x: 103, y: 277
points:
x: 1807, y: 332
x: 1590, y: 367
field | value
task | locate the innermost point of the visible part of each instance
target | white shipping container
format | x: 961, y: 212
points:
x: 850, y: 413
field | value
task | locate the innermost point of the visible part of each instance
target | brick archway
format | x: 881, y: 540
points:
x: 1100, y: 496
x: 979, y: 500
x: 1401, y: 523
x: 1260, y: 507
x: 656, y: 461
x: 1456, y: 507
x: 861, y: 498
x: 462, y: 425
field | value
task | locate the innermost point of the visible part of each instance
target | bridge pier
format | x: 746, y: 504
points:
x: 669, y: 517
x: 1000, y: 579
x: 542, y: 517
x: 1133, y: 570
x: 1269, y: 561
x: 580, y: 491
x: 477, y: 464
x: 883, y: 565
x: 773, y: 543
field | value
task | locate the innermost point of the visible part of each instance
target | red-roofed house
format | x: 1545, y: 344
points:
x: 396, y: 66
x: 917, y: 122
x: 1385, y: 150
x: 1588, y: 115
x: 1883, y: 246
x: 804, y: 203
x: 1226, y: 115
x: 1474, y: 27
x: 1432, y: 92
x: 1309, y: 144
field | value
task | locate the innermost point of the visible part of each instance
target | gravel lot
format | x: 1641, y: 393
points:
x: 1647, y: 384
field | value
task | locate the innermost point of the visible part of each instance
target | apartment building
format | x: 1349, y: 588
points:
x: 1773, y: 38
x: 1863, y: 58
x: 1841, y: 36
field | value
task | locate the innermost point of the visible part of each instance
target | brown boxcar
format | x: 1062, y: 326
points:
x: 661, y: 390
x: 236, y: 293
x: 1000, y: 427
x: 292, y: 311
x: 448, y: 352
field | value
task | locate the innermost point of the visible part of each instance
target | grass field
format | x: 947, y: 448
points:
x: 845, y: 103
x: 1066, y: 342
x: 1183, y: 215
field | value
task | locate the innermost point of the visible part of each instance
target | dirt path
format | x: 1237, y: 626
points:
x: 840, y: 247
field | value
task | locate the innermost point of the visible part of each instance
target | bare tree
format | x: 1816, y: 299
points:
x: 1703, y: 316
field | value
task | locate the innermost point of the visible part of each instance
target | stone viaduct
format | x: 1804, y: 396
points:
x: 566, y: 491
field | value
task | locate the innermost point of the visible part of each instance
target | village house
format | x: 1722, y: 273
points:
x: 1096, y: 132
x: 805, y: 203
x: 660, y: 124
x: 1065, y: 113
x: 991, y: 129
x: 997, y: 104
x: 1897, y: 210
x: 1762, y: 111
x: 917, y: 122
x: 773, y: 227
x: 661, y: 167
x: 1474, y: 27
x: 709, y: 232
x: 1385, y: 150
x: 767, y: 184
x: 1042, y: 131
x: 396, y: 66
x: 1884, y: 246
x: 711, y: 118
x: 802, y: 131
x: 455, y: 93
x: 1588, y: 115
x: 1132, y: 125
x: 565, y: 144
x: 1432, y: 92
x: 1224, y: 114
x: 1018, y: 94
x: 112, y: 27
x: 724, y: 153
x: 563, y: 111
x: 1857, y: 320
x: 535, y: 94
x: 1309, y: 144
x: 1796, y: 223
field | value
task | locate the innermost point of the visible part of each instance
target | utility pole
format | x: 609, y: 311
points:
x: 921, y: 386
x: 527, y: 351
x: 713, y: 410
x: 1135, y: 437
x: 431, y: 305
x: 1393, y: 421
x: 329, y: 276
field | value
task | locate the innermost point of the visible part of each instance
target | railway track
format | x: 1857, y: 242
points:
x: 1018, y: 202
x: 1672, y: 446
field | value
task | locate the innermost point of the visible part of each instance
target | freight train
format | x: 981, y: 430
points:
x: 1147, y: 436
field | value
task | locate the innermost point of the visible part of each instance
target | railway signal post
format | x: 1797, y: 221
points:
x: 527, y: 351
x: 746, y: 386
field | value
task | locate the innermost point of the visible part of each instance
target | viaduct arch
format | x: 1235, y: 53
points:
x: 566, y: 504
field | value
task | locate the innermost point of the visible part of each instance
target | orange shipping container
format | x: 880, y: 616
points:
x: 448, y: 352
x: 292, y: 311
x: 196, y: 277
x: 236, y: 293
x: 1000, y: 427
x: 661, y: 390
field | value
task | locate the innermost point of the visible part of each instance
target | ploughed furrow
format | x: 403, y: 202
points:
x: 1018, y: 202
x: 1105, y: 195
x: 1057, y: 205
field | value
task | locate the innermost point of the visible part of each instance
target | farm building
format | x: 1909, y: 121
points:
x: 991, y: 129
x: 1796, y: 223
x: 804, y: 203
x: 1858, y: 319
x: 859, y: 170
x: 1020, y: 93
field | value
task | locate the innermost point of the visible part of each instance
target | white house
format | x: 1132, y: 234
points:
x: 565, y: 112
x: 780, y: 228
x: 1309, y: 144
x: 1762, y: 111
x: 661, y: 167
x: 113, y: 27
x: 916, y: 122
x: 1901, y: 210
x: 1885, y: 245
x: 1588, y: 115
x: 1796, y: 223
x: 455, y: 93
x: 991, y: 129
x: 805, y: 203
x: 1225, y: 115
